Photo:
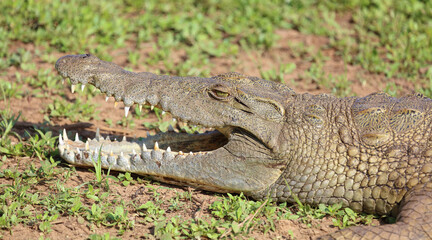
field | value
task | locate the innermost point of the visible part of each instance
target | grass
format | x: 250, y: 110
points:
x: 73, y: 111
x: 388, y: 39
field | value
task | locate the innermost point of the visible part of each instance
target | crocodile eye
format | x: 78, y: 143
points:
x: 219, y: 94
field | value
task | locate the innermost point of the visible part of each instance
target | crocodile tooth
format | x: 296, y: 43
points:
x: 133, y: 151
x: 180, y: 153
x: 61, y: 149
x: 163, y: 112
x: 65, y: 135
x: 152, y: 107
x: 106, y: 99
x: 76, y: 137
x: 73, y: 88
x: 87, y: 145
x: 144, y: 147
x: 175, y: 120
x: 82, y: 87
x: 140, y: 107
x: 78, y: 150
x: 98, y: 136
x: 61, y: 140
x: 124, y: 139
x: 126, y: 109
x: 168, y: 149
x: 121, y: 154
x: 111, y: 153
x: 170, y: 128
x: 190, y: 153
x: 108, y: 138
x: 156, y: 146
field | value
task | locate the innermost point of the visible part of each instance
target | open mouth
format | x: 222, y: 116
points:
x: 166, y: 145
x: 162, y: 146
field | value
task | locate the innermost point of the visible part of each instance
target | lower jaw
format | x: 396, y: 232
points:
x: 176, y: 143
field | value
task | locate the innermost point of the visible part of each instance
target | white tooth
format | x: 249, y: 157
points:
x: 151, y: 108
x: 126, y: 111
x: 140, y: 108
x: 168, y: 149
x: 76, y: 137
x: 144, y: 147
x: 191, y: 153
x: 61, y: 149
x: 174, y: 119
x: 124, y: 139
x: 98, y: 136
x: 111, y: 153
x: 121, y: 154
x: 87, y: 145
x: 180, y: 153
x: 82, y: 87
x: 108, y: 138
x: 61, y: 140
x: 163, y: 112
x: 78, y: 151
x: 133, y: 151
x: 170, y: 128
x: 73, y: 88
x: 106, y: 99
x: 65, y: 135
x: 156, y: 146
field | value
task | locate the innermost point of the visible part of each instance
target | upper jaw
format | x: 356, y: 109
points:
x: 72, y: 67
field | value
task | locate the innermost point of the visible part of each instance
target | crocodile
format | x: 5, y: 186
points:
x: 372, y: 154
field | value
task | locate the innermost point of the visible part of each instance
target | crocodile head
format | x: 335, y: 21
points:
x: 246, y: 113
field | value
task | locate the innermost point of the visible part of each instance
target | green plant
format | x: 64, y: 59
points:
x: 278, y: 75
x: 73, y: 111
x: 41, y: 144
x: 10, y: 90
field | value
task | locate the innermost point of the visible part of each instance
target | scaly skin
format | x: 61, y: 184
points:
x: 373, y: 154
